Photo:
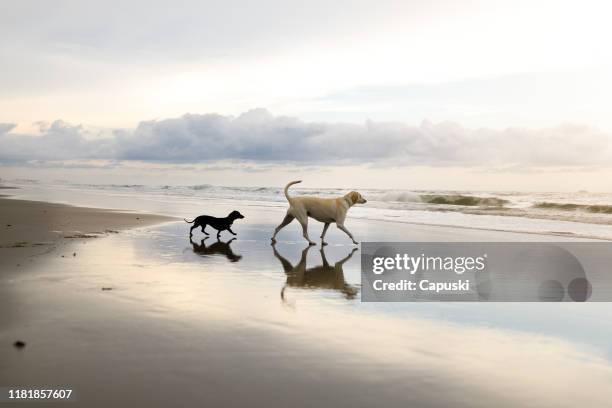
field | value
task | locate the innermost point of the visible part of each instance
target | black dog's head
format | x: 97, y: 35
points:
x: 235, y: 215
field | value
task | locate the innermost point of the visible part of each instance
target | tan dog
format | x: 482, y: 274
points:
x: 325, y: 210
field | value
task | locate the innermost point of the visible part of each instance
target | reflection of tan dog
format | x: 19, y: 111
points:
x: 325, y: 210
x: 323, y: 276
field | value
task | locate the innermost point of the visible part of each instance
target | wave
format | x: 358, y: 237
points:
x: 441, y: 199
x: 464, y: 200
x: 598, y: 209
x: 400, y: 197
x: 127, y: 185
x: 201, y: 187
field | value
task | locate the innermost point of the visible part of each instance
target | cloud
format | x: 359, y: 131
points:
x: 57, y: 141
x: 259, y: 136
x: 6, y: 127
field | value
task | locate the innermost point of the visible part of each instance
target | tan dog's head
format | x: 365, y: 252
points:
x: 356, y: 198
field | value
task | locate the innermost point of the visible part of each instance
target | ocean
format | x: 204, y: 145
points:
x: 577, y: 214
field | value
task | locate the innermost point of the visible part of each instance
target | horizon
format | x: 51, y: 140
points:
x: 304, y: 186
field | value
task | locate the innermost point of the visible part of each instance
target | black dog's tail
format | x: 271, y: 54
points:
x: 189, y: 222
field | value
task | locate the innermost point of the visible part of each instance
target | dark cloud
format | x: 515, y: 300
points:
x: 57, y: 141
x: 6, y: 127
x: 259, y: 136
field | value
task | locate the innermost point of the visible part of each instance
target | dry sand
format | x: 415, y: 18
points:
x: 31, y: 228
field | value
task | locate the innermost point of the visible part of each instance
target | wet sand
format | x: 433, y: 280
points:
x: 31, y: 228
x: 236, y: 323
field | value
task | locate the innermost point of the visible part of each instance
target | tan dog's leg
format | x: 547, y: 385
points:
x: 288, y: 218
x: 325, y: 227
x: 343, y: 228
x: 304, y: 222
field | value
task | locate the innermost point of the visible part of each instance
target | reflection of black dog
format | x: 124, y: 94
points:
x: 220, y: 224
x: 320, y: 277
x: 218, y: 248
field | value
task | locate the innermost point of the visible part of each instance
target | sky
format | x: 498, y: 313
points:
x: 400, y: 94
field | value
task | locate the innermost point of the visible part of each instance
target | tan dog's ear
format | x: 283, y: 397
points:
x: 354, y: 196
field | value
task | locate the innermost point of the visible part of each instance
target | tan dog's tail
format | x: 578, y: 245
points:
x: 287, y: 188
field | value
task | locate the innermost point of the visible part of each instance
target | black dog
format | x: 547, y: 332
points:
x: 220, y: 224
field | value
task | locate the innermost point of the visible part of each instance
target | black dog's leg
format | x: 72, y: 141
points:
x: 218, y: 234
x: 203, y: 227
x: 230, y: 230
x: 191, y: 230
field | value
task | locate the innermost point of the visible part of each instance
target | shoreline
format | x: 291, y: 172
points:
x: 504, y: 231
x: 32, y: 228
x: 29, y: 229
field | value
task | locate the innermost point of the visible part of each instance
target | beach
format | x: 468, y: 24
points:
x: 143, y: 316
x: 414, y: 197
